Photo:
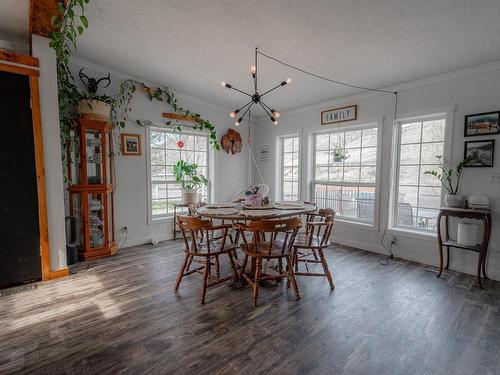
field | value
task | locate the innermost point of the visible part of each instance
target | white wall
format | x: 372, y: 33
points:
x: 131, y: 208
x: 52, y: 151
x: 470, y: 91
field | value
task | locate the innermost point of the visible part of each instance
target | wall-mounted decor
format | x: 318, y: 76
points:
x: 231, y: 141
x: 482, y: 124
x: 341, y: 114
x: 479, y: 153
x: 264, y: 153
x: 131, y: 144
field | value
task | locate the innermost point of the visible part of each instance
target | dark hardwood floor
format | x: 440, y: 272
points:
x: 121, y: 315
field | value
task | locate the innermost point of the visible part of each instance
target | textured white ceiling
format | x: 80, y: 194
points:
x: 14, y: 20
x: 192, y: 45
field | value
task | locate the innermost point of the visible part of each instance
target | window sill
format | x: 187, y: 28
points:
x: 355, y: 224
x: 417, y: 235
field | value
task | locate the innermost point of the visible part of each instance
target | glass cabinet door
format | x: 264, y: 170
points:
x: 109, y: 158
x: 93, y: 150
x: 96, y: 220
x: 76, y: 212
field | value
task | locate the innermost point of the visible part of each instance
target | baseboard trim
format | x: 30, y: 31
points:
x: 63, y: 272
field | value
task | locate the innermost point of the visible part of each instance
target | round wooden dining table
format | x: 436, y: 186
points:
x: 239, y: 212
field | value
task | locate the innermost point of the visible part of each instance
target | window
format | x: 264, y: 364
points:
x: 345, y: 172
x: 289, y: 168
x: 163, y: 155
x: 417, y: 196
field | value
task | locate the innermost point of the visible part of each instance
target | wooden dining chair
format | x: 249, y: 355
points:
x: 198, y: 243
x: 309, y: 245
x: 259, y: 249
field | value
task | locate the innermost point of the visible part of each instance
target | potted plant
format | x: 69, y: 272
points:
x: 450, y: 179
x: 254, y: 196
x: 339, y: 154
x: 185, y: 173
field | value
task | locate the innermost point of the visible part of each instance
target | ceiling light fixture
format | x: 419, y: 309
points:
x: 256, y: 97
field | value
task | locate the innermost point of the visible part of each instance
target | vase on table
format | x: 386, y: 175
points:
x: 454, y: 200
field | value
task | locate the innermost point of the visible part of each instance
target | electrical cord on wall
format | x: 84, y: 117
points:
x: 385, y: 260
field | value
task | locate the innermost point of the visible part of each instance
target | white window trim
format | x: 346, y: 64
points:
x: 210, y: 173
x: 279, y: 164
x: 312, y: 168
x: 448, y: 113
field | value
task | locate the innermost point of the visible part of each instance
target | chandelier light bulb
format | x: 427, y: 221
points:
x: 288, y: 80
x: 276, y: 113
x: 232, y: 114
x: 223, y: 84
x: 276, y: 122
x: 253, y: 69
x: 237, y: 123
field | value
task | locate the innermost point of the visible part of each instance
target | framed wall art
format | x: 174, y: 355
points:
x: 482, y: 124
x: 481, y: 153
x: 131, y: 144
x: 333, y: 116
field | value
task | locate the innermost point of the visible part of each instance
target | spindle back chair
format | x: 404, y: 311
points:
x: 264, y: 245
x: 198, y: 243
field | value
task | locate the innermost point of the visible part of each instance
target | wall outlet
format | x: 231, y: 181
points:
x: 124, y: 229
x: 495, y: 177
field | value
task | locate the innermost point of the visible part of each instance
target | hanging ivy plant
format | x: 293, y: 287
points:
x: 67, y: 25
x: 121, y: 108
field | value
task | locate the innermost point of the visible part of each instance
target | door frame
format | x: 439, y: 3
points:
x: 29, y: 66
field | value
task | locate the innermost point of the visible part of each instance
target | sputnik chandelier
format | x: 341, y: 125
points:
x: 256, y: 97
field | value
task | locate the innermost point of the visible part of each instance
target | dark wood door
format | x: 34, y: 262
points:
x: 20, y: 260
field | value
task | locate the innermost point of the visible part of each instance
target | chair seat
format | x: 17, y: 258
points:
x: 262, y: 250
x: 202, y: 249
x: 305, y: 241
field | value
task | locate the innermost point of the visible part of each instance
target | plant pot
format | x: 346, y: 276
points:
x: 454, y: 200
x: 189, y: 196
x: 94, y: 109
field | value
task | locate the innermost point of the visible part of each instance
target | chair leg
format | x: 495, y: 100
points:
x: 325, y: 268
x: 233, y: 267
x: 258, y: 267
x: 181, y: 272
x: 217, y: 266
x: 190, y: 260
x: 205, y: 277
x: 243, y: 266
x: 291, y: 277
x: 295, y: 260
x: 314, y: 254
x: 280, y: 270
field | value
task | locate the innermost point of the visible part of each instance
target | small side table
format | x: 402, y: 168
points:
x: 191, y: 208
x: 464, y: 213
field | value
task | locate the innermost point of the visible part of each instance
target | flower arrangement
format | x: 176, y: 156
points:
x: 253, y: 196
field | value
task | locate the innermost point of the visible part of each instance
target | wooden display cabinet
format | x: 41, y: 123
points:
x: 91, y: 188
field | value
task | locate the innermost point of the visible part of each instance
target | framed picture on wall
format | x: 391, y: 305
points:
x: 480, y: 152
x: 482, y: 124
x: 131, y: 144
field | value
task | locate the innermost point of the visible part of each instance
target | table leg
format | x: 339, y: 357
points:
x: 440, y: 244
x: 479, y: 264
x: 174, y: 223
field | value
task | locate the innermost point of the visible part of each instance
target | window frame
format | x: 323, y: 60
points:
x: 440, y: 113
x: 280, y: 165
x: 341, y: 220
x: 210, y: 157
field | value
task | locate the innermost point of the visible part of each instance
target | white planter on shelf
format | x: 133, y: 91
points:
x: 189, y: 196
x: 455, y: 200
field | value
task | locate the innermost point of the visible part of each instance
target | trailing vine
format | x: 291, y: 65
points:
x: 67, y: 25
x: 121, y: 108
